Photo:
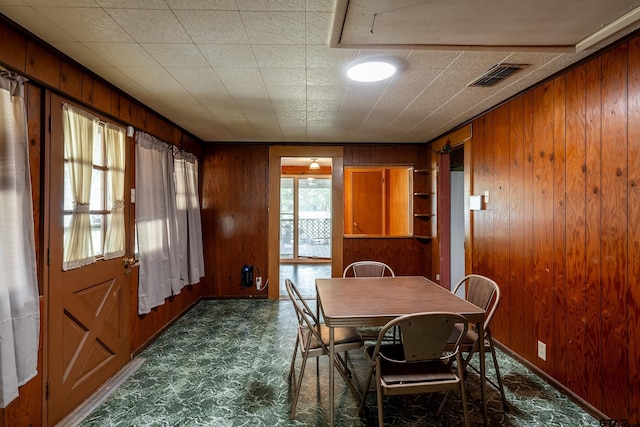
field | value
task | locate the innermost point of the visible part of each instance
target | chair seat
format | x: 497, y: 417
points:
x: 408, y: 372
x: 340, y: 336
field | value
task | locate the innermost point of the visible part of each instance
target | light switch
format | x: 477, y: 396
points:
x: 475, y: 202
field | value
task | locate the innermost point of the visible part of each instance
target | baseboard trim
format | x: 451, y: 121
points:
x: 76, y: 416
x: 586, y: 406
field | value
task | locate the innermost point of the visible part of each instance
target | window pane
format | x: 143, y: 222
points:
x: 68, y: 200
x: 286, y: 218
x: 98, y: 149
x: 97, y: 227
x: 314, y: 217
x: 97, y: 190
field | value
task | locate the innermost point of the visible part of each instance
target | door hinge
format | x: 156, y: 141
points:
x: 50, y: 124
x: 46, y: 391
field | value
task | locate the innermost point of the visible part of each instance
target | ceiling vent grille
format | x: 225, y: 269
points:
x: 497, y: 73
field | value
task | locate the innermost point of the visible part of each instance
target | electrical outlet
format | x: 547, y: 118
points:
x: 542, y: 351
x: 259, y: 282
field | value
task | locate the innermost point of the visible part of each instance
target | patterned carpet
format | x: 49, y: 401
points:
x: 225, y: 363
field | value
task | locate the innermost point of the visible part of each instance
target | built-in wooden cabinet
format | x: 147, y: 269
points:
x: 423, y: 203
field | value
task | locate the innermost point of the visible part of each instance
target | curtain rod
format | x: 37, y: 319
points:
x: 12, y: 75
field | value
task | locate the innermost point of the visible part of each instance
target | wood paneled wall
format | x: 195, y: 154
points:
x: 406, y: 256
x: 48, y: 70
x: 235, y: 186
x: 561, y: 233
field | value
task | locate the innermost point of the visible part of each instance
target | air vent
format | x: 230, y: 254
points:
x: 497, y: 73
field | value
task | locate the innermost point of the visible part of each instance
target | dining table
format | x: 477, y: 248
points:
x: 374, y: 301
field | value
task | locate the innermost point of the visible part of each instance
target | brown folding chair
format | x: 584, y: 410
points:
x: 482, y: 292
x: 312, y: 339
x: 421, y: 363
x: 368, y: 269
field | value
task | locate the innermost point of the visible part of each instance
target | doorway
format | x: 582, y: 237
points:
x: 311, y: 241
x: 305, y: 222
x: 457, y: 217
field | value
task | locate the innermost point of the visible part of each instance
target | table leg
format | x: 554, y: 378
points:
x: 331, y: 375
x: 483, y: 382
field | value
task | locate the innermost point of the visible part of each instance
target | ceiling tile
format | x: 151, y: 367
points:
x: 228, y: 55
x: 202, y: 4
x: 150, y: 25
x: 123, y: 54
x: 318, y: 26
x: 132, y: 4
x: 274, y: 27
x: 284, y: 76
x: 280, y: 56
x: 209, y: 26
x: 86, y: 24
x: 271, y: 5
x: 38, y: 23
x: 318, y: 56
x: 175, y: 55
x: 63, y: 3
x: 285, y: 92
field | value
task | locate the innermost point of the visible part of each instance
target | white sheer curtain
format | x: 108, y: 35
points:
x: 80, y: 130
x: 114, y: 140
x: 19, y: 306
x: 156, y: 221
x: 189, y: 224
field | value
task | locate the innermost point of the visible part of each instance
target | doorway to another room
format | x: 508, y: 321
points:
x: 305, y: 222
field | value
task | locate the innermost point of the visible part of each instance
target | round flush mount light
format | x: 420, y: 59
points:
x: 372, y: 70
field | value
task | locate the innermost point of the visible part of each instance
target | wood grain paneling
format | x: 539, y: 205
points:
x: 517, y: 297
x: 499, y: 202
x: 543, y: 218
x: 87, y: 89
x: 14, y: 48
x: 71, y: 80
x: 42, y: 65
x: 575, y: 231
x: 558, y: 298
x: 633, y: 239
x: 614, y: 231
x: 593, y: 119
x: 102, y: 97
x: 235, y: 188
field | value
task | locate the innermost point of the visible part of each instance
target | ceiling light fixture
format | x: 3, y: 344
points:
x: 314, y: 164
x: 373, y: 70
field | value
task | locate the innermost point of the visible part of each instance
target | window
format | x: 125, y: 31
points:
x: 378, y: 201
x: 99, y: 192
x: 93, y: 205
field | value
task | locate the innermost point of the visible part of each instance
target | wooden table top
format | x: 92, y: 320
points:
x: 374, y: 301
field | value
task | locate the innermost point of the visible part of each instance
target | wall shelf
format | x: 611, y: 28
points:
x: 419, y: 237
x: 423, y: 171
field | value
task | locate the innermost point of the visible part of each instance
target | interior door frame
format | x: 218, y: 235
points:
x: 276, y: 152
x: 54, y: 256
x: 460, y: 137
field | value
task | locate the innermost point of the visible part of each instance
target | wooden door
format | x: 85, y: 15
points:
x: 367, y: 194
x: 88, y: 326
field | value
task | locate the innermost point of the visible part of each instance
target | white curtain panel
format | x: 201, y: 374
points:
x: 189, y: 223
x: 80, y: 130
x: 114, y: 140
x: 196, y: 256
x: 19, y: 305
x: 156, y: 221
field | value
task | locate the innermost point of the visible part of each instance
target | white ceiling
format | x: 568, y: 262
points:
x: 259, y: 70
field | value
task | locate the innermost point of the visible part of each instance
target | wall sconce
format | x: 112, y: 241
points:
x: 314, y: 164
